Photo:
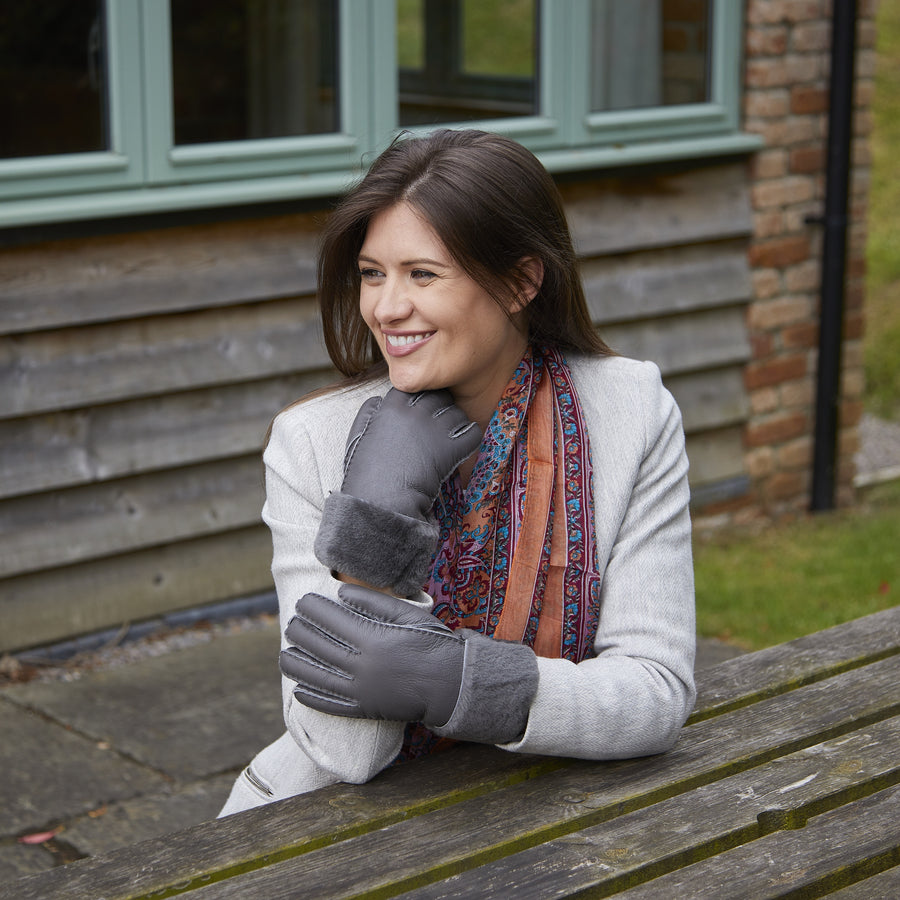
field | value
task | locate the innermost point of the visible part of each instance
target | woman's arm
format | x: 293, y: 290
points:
x: 297, y: 479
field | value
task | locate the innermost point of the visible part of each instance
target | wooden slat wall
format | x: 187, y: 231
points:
x: 139, y: 372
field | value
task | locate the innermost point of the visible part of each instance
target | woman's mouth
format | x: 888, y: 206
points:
x: 401, y: 344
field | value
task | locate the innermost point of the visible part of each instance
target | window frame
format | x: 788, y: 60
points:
x: 143, y: 172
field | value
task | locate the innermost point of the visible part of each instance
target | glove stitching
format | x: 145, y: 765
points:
x: 302, y: 617
x: 309, y: 691
x: 307, y: 658
x: 438, y: 628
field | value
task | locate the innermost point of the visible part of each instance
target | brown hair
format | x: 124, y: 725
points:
x: 492, y: 204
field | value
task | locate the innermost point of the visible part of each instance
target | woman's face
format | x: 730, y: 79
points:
x: 436, y: 327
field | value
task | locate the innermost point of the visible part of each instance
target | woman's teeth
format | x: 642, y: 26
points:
x: 401, y: 340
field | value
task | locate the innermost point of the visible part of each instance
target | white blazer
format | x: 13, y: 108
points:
x: 631, y: 699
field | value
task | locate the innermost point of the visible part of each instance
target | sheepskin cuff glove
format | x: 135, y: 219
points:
x: 372, y: 656
x: 400, y: 449
x: 500, y: 679
x: 382, y: 548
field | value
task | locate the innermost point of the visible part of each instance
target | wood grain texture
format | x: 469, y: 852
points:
x: 56, y: 604
x: 75, y: 282
x: 832, y: 850
x: 83, y: 446
x: 56, y: 370
x: 783, y: 794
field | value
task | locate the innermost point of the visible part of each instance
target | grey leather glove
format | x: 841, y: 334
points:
x: 401, y: 448
x: 375, y: 656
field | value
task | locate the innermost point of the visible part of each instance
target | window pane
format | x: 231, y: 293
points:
x: 246, y: 69
x: 649, y: 53
x: 53, y: 96
x: 477, y: 59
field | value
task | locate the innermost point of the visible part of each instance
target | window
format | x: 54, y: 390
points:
x: 113, y: 107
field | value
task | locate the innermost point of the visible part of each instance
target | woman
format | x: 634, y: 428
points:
x: 531, y: 588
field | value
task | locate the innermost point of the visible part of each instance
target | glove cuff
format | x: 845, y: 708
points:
x: 500, y: 679
x: 384, y: 549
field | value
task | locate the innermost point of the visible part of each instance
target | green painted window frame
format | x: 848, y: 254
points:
x: 144, y: 173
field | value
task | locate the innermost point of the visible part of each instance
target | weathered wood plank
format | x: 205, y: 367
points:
x: 64, y: 527
x: 65, y: 449
x: 50, y: 371
x: 784, y: 667
x: 615, y: 215
x: 668, y: 281
x: 471, y: 826
x: 435, y: 845
x: 883, y: 886
x: 661, y: 838
x: 711, y: 399
x: 99, y: 279
x: 831, y: 851
x: 708, y: 339
x: 715, y: 455
x: 57, y: 604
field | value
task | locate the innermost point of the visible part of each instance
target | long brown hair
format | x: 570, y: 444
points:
x: 492, y: 204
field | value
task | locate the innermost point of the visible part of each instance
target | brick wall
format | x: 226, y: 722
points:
x: 787, y: 62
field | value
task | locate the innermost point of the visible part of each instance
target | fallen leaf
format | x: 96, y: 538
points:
x: 884, y: 587
x: 96, y: 813
x: 39, y: 837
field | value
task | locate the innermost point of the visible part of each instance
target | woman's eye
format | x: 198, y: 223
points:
x: 369, y: 274
x: 422, y: 275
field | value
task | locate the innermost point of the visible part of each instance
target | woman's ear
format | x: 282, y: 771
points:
x: 529, y: 277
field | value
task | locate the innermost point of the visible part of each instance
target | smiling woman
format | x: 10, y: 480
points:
x: 486, y: 524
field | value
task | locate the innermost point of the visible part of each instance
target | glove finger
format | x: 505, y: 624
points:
x: 316, y: 685
x: 335, y: 706
x: 329, y: 642
x: 384, y: 610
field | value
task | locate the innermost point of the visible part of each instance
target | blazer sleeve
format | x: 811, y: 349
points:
x: 299, y: 472
x: 632, y: 698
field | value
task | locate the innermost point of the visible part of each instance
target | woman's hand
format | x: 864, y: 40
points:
x: 402, y: 447
x: 373, y: 656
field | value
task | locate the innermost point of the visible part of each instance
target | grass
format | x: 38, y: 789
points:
x: 882, y: 341
x: 796, y: 578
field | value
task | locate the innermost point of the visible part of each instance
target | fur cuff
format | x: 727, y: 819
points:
x: 382, y: 548
x: 500, y: 679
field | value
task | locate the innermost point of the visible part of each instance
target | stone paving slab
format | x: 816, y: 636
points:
x: 48, y: 773
x: 18, y: 860
x: 131, y: 821
x: 189, y: 714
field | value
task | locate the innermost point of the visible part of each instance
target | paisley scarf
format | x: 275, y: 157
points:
x: 517, y: 558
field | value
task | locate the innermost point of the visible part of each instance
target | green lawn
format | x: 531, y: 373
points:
x: 799, y: 577
x: 882, y: 342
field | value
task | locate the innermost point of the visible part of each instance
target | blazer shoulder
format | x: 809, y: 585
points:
x: 319, y: 424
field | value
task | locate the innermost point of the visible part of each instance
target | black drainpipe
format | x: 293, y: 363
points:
x: 834, y: 252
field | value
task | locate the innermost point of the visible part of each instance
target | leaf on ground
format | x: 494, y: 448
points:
x: 39, y: 837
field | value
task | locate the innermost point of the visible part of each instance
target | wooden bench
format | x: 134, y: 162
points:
x: 784, y: 783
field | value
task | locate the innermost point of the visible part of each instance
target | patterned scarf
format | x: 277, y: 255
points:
x: 495, y: 534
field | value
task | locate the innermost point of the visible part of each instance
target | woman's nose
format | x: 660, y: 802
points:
x: 393, y: 303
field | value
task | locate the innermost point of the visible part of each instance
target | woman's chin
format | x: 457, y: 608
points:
x: 409, y: 383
